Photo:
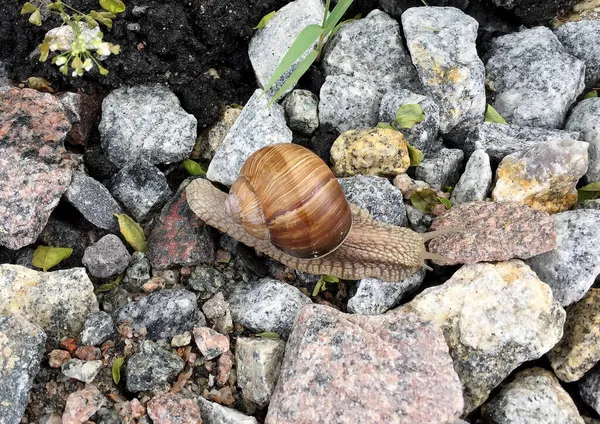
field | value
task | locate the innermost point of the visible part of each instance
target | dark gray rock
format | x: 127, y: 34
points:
x: 163, y: 314
x: 25, y: 257
x: 141, y: 188
x: 582, y: 40
x: 152, y: 368
x: 422, y: 135
x: 418, y: 220
x: 348, y: 103
x: 534, y: 79
x: 107, y: 257
x: 146, y: 122
x: 585, y: 118
x: 371, y: 49
x: 94, y: 201
x: 441, y: 41
x: 99, y: 327
x: 137, y: 273
x: 115, y: 300
x: 376, y: 195
x: 475, y: 182
x: 206, y: 280
x: 98, y: 164
x: 589, y: 388
x: 22, y: 345
x: 441, y: 169
x: 301, y: 111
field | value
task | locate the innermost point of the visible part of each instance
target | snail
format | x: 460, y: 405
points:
x: 287, y: 204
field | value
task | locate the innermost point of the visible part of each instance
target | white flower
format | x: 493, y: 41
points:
x: 77, y: 72
x: 60, y: 60
x: 54, y: 46
x: 103, y: 49
x: 87, y: 64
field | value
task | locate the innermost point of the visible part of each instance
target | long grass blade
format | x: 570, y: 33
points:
x: 336, y: 14
x: 293, y: 79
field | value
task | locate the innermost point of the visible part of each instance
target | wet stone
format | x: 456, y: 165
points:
x: 137, y: 273
x: 152, y: 368
x: 584, y: 118
x: 82, y: 404
x: 329, y: 352
x: 99, y: 327
x: 543, y: 177
x: 85, y: 371
x: 582, y: 40
x: 107, y: 257
x: 146, y: 122
x: 206, y: 280
x: 441, y: 169
x: 546, y: 84
x: 173, y: 408
x: 493, y: 231
x: 301, y: 111
x: 36, y: 168
x: 447, y: 63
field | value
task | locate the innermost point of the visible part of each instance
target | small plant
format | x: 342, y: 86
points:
x: 81, y: 42
x: 307, y: 37
x: 589, y: 192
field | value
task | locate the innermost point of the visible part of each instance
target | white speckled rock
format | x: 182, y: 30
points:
x: 85, y: 371
x: 371, y: 49
x: 585, y: 118
x: 258, y: 362
x: 582, y: 40
x: 534, y: 78
x: 572, y: 267
x: 301, y: 111
x: 348, y: 103
x: 441, y: 169
x: 441, y: 41
x: 374, y: 297
x: 98, y: 328
x: 500, y: 315
x: 213, y: 413
x: 145, y: 122
x: 57, y: 301
x: 266, y: 305
x: 535, y: 396
x: 256, y: 127
x: 475, y: 182
x: 270, y: 44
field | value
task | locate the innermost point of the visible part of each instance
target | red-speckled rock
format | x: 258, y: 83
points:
x: 82, y: 404
x: 178, y: 237
x: 35, y: 168
x: 341, y: 368
x: 493, y: 231
x: 173, y: 408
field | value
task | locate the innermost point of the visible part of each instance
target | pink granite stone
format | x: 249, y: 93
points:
x: 173, y: 408
x: 210, y: 343
x: 82, y: 404
x: 35, y: 168
x: 341, y: 368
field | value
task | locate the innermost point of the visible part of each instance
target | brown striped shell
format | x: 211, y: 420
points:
x: 286, y: 194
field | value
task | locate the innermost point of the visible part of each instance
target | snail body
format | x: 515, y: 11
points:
x: 288, y: 205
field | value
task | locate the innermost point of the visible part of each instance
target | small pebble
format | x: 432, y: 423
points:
x: 82, y: 404
x: 107, y: 257
x: 58, y: 357
x: 85, y: 371
x: 210, y: 343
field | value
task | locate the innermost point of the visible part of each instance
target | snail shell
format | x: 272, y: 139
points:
x: 287, y: 195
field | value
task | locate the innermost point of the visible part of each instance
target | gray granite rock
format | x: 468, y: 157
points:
x: 441, y: 41
x: 585, y: 118
x: 266, y: 305
x: 22, y: 346
x: 582, y: 40
x: 85, y: 371
x: 163, y: 314
x: 115, y: 300
x: 589, y: 388
x: 374, y: 297
x: 98, y: 327
x: 376, y: 195
x: 209, y: 141
x: 371, y: 49
x: 475, y: 182
x: 535, y: 396
x: 385, y: 361
x: 499, y: 140
x: 571, y: 268
x: 206, y: 280
x: 4, y: 81
x: 107, y: 257
x: 418, y: 220
x: 216, y: 310
x: 441, y: 169
x: 137, y: 273
x: 145, y: 122
x: 258, y: 362
x: 213, y: 413
x: 151, y: 368
x: 423, y: 135
x: 494, y: 317
x: 57, y: 301
x: 94, y: 201
x: 268, y: 45
x: 256, y: 127
x: 348, y: 103
x: 142, y: 188
x: 588, y: 204
x: 534, y: 79
x: 301, y: 111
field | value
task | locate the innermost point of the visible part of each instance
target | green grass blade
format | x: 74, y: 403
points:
x: 336, y: 14
x: 304, y: 40
x: 298, y: 72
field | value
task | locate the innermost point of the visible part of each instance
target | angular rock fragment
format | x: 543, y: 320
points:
x: 474, y: 184
x: 584, y: 118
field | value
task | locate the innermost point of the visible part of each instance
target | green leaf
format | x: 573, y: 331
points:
x: 589, y: 192
x: 491, y: 115
x: 269, y: 335
x: 57, y: 5
x: 36, y: 18
x: 424, y: 200
x: 46, y: 257
x: 110, y: 285
x: 116, y: 369
x: 265, y: 20
x: 28, y: 8
x: 91, y: 22
x: 591, y: 94
x: 39, y: 83
x: 302, y: 43
x: 447, y: 189
x: 132, y: 232
x: 385, y: 126
x: 298, y: 72
x: 330, y: 279
x: 336, y: 14
x: 113, y: 6
x: 408, y: 115
x: 445, y: 202
x: 416, y: 156
x: 193, y: 168
x: 318, y: 287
